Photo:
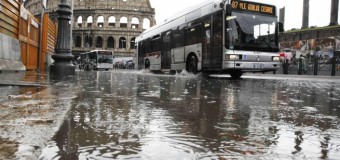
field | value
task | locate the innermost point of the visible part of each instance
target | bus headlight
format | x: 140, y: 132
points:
x: 276, y: 58
x: 232, y: 57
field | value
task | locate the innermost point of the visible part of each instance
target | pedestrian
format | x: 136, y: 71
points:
x: 285, y: 66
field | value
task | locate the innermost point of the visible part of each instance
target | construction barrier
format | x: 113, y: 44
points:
x: 10, y: 55
x: 20, y: 38
x: 29, y: 39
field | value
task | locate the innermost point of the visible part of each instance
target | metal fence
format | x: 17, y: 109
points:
x: 312, y: 65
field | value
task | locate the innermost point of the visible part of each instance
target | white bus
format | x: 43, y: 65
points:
x: 96, y: 60
x: 216, y: 36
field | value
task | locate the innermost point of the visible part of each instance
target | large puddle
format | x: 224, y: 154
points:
x: 141, y: 116
x: 31, y: 111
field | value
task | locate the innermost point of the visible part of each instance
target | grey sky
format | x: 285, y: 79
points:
x: 319, y: 10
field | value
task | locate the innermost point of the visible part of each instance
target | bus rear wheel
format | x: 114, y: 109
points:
x: 191, y: 65
x: 147, y: 64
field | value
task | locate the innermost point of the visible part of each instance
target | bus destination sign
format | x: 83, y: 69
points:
x: 253, y: 7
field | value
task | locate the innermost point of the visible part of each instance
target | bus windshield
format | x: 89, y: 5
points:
x: 252, y: 32
x: 105, y: 57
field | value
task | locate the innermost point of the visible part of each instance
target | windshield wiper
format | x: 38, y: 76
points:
x: 272, y: 47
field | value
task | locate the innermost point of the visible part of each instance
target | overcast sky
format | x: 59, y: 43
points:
x: 319, y: 10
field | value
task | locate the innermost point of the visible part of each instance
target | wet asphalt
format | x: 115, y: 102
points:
x: 139, y: 115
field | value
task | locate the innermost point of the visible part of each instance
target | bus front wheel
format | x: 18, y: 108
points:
x: 236, y: 74
x: 192, y: 64
x: 88, y: 67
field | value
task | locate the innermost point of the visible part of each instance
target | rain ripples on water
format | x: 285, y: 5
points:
x: 137, y: 115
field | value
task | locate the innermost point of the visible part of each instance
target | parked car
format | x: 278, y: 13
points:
x: 129, y: 64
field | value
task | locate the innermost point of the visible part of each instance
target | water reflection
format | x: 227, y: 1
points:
x: 17, y: 85
x: 137, y: 116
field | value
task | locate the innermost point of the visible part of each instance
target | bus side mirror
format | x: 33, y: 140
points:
x: 281, y: 27
x: 228, y: 9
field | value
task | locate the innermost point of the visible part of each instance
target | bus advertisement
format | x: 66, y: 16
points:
x: 216, y: 36
x: 96, y: 60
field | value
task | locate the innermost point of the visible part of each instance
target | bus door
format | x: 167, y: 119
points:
x: 140, y: 50
x: 206, y: 42
x: 216, y: 57
x: 166, y: 51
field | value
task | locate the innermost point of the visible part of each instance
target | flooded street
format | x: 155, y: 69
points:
x: 136, y: 115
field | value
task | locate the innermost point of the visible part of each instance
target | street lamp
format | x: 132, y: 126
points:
x: 62, y: 65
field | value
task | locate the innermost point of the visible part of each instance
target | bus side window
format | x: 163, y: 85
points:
x: 178, y: 38
x: 148, y: 46
x: 166, y: 37
x: 193, y: 35
x: 93, y: 57
x: 141, y: 48
x: 156, y: 43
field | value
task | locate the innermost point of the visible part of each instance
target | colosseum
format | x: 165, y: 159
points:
x: 103, y: 24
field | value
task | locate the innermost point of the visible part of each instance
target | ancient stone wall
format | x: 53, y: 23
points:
x: 103, y: 24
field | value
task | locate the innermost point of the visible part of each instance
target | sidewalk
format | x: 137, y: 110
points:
x: 293, y: 76
x: 32, y: 110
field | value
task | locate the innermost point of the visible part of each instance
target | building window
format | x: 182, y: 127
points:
x: 132, y: 43
x: 123, y: 22
x: 135, y: 22
x: 112, y: 21
x: 146, y: 23
x: 89, y: 21
x: 110, y: 42
x: 80, y: 22
x: 88, y: 41
x: 100, y: 21
x: 78, y: 41
x: 99, y: 42
x: 122, y: 42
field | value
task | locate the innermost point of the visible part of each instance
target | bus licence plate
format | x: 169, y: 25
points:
x: 257, y: 65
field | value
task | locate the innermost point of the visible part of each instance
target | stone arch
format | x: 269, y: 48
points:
x: 79, y: 22
x: 112, y: 21
x: 89, y: 21
x: 100, y: 21
x: 134, y: 22
x: 146, y: 23
x: 110, y: 42
x: 123, y: 22
x: 122, y: 42
x: 88, y: 41
x: 99, y: 42
x: 132, y: 43
x: 78, y: 41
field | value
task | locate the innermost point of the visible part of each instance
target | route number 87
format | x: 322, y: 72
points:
x: 234, y: 4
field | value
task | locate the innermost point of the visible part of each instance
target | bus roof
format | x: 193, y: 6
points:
x: 101, y: 50
x: 181, y: 17
x: 187, y: 15
x: 97, y: 50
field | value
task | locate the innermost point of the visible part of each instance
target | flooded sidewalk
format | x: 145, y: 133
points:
x: 32, y: 110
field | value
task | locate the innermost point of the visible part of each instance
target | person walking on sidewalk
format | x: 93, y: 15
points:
x: 285, y: 66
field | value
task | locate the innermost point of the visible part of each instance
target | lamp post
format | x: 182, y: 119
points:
x: 63, y: 65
